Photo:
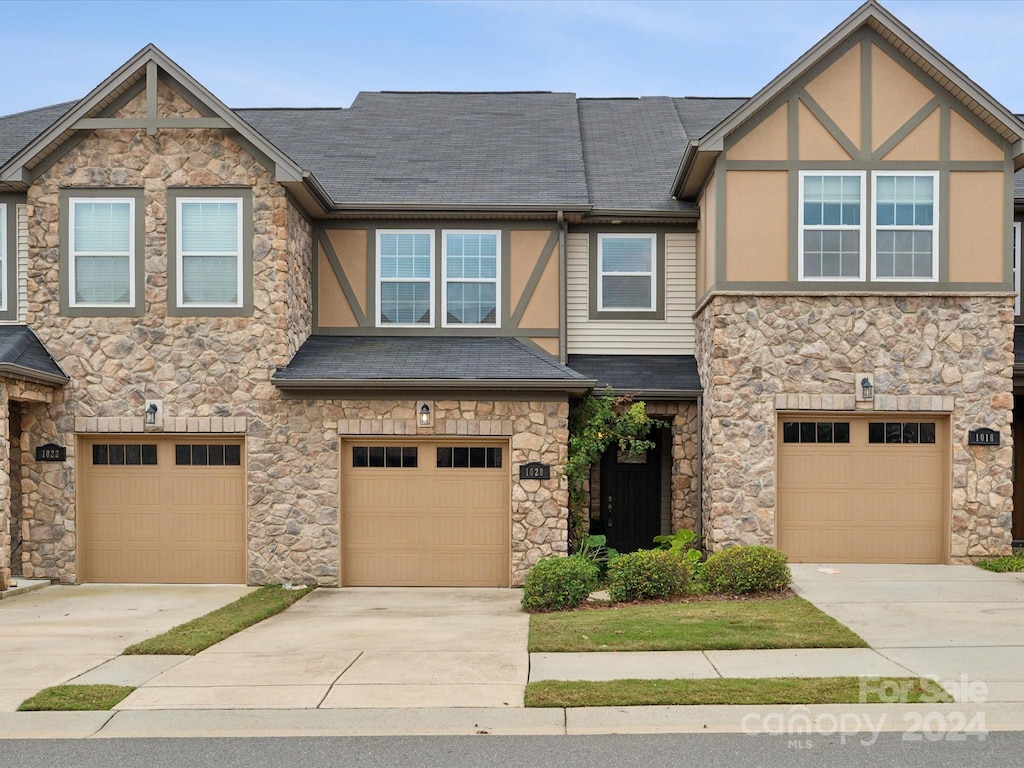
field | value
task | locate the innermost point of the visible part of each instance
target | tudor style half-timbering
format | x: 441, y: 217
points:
x: 856, y: 230
x: 341, y: 345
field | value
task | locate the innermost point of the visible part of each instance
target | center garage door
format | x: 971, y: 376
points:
x: 863, y: 490
x: 161, y: 510
x: 425, y: 513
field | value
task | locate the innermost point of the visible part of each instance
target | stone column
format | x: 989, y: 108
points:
x: 5, y: 489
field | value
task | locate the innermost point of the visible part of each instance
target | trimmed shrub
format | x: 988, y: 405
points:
x: 649, y: 574
x: 559, y: 583
x: 738, y: 570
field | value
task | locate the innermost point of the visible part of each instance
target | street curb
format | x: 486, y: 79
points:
x: 921, y: 722
x: 7, y: 594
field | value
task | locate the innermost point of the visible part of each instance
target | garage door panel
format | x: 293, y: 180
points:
x: 424, y: 525
x: 161, y: 522
x: 862, y: 501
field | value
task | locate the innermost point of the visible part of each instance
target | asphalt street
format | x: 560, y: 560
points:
x: 892, y: 750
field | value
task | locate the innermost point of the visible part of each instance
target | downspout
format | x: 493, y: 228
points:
x: 699, y: 526
x: 563, y: 352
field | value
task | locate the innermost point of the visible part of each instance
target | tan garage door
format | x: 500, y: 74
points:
x: 425, y: 513
x: 863, y: 490
x: 162, y: 510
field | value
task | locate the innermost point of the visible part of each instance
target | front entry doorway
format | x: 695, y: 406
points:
x: 631, y: 501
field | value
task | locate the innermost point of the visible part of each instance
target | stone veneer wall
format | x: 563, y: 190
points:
x: 211, y: 372
x: 682, y: 418
x: 758, y: 353
x: 538, y: 431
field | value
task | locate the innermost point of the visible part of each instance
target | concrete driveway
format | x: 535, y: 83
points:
x: 958, y: 623
x: 361, y: 648
x: 55, y: 634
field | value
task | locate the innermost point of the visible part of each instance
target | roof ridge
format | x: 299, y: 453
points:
x: 65, y: 104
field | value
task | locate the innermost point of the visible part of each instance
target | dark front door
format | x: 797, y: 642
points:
x: 1018, y: 468
x: 631, y: 499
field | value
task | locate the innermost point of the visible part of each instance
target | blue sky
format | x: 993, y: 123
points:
x: 322, y: 52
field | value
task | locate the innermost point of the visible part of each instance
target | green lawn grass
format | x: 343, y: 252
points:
x: 199, y: 634
x: 74, y: 698
x: 691, y: 626
x: 771, y: 690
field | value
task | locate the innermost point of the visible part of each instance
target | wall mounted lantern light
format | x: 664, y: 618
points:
x: 425, y: 417
x: 867, y: 389
x: 151, y: 412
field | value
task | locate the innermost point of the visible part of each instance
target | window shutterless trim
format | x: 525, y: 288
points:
x: 652, y: 274
x: 10, y: 283
x: 137, y: 305
x: 933, y: 227
x: 496, y: 280
x: 5, y: 254
x: 1016, y: 266
x: 862, y: 228
x: 175, y: 307
x: 179, y: 261
x: 429, y: 281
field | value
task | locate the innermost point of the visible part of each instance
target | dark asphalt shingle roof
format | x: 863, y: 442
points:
x: 439, y: 148
x: 16, y: 131
x: 700, y: 114
x: 20, y: 348
x: 371, y: 358
x: 632, y: 149
x: 640, y: 374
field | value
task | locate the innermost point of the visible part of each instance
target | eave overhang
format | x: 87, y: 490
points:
x: 576, y: 387
x: 875, y: 16
x: 24, y: 373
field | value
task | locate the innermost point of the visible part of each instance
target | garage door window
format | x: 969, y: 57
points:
x: 385, y: 456
x: 816, y: 432
x: 207, y: 455
x: 466, y: 457
x: 905, y: 432
x: 119, y: 454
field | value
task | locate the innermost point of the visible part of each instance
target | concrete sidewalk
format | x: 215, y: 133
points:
x: 956, y: 623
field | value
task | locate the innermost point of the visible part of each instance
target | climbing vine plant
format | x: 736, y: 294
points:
x: 597, y: 422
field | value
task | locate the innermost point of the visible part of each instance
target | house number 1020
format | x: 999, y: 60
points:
x: 534, y: 471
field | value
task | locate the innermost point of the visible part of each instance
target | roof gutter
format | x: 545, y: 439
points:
x: 30, y: 374
x: 463, y: 207
x: 685, y: 165
x: 571, y: 386
x: 658, y: 394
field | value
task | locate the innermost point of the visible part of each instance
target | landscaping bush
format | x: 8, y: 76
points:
x: 649, y: 574
x: 559, y: 583
x: 1005, y: 564
x: 738, y: 570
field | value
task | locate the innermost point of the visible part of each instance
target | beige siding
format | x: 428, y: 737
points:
x: 672, y: 336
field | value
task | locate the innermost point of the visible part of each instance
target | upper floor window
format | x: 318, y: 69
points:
x: 101, y: 252
x: 3, y: 257
x: 405, y: 284
x: 627, y: 276
x: 471, y: 282
x: 905, y: 226
x: 831, y: 226
x: 209, y: 252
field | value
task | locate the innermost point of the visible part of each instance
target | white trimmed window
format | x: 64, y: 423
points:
x: 209, y: 254
x: 905, y: 226
x: 101, y: 252
x: 627, y: 276
x: 405, y: 283
x: 472, y: 286
x: 832, y: 232
x: 3, y: 257
x: 1016, y: 266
